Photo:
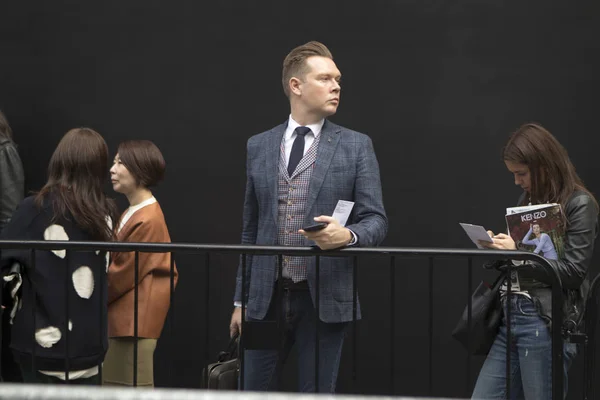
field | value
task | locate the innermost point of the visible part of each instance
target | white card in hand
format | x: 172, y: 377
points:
x: 476, y: 233
x: 342, y: 211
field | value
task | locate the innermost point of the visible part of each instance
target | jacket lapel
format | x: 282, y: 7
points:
x: 327, y: 145
x: 273, y: 148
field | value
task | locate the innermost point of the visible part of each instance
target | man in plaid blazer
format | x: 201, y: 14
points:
x: 296, y: 174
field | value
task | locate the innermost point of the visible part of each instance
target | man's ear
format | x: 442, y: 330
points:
x: 295, y: 85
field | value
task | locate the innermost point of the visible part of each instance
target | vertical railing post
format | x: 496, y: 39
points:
x: 318, y: 320
x: 102, y: 304
x: 33, y: 308
x: 2, y: 329
x: 392, y: 324
x: 280, y: 322
x: 207, y: 318
x: 591, y: 323
x: 354, y: 324
x: 241, y: 354
x: 430, y: 329
x: 469, y: 324
x: 2, y: 311
x: 66, y: 326
x: 135, y: 317
x: 557, y: 338
x: 508, y: 328
x: 171, y: 314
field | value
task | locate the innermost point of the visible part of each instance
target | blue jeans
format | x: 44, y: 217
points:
x: 530, y: 357
x: 262, y: 367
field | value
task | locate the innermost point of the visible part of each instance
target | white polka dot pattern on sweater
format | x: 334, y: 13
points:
x: 56, y: 232
x: 47, y: 337
x: 83, y: 282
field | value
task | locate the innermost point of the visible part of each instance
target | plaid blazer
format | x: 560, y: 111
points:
x: 346, y: 168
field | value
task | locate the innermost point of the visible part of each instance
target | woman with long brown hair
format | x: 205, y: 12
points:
x: 542, y: 168
x: 70, y: 206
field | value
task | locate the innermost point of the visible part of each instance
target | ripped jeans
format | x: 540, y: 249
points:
x: 530, y: 358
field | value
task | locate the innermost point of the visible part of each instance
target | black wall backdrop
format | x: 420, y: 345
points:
x: 437, y: 85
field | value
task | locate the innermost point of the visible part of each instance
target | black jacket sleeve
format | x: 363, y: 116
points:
x: 19, y: 228
x: 11, y: 181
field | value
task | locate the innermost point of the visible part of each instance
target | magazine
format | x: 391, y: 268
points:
x: 539, y: 229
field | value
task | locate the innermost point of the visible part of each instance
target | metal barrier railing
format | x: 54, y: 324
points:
x: 279, y: 251
x: 591, y: 322
x: 74, y: 392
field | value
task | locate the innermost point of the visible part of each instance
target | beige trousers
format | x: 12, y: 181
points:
x: 118, y: 363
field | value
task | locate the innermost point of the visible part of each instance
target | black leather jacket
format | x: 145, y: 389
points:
x: 580, y: 233
x: 11, y: 180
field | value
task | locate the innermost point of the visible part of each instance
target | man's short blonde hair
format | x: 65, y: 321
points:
x: 294, y: 64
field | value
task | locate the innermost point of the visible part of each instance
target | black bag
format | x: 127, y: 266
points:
x: 223, y: 375
x: 486, y: 315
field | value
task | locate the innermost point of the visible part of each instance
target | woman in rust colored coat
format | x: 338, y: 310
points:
x: 138, y: 165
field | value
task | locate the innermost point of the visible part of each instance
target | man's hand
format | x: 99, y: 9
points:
x: 501, y: 242
x: 235, y: 326
x: 332, y: 236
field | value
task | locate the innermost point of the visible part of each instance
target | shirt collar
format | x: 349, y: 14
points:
x: 315, y: 128
x: 144, y: 203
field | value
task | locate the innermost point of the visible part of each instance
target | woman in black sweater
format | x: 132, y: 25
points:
x: 71, y: 206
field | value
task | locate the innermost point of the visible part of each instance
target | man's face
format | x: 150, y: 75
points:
x: 319, y: 90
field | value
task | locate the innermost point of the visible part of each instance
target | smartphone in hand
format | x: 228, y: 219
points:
x: 317, y: 226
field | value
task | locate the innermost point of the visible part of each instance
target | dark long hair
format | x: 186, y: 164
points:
x: 76, y: 173
x: 553, y: 176
x: 5, y: 131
